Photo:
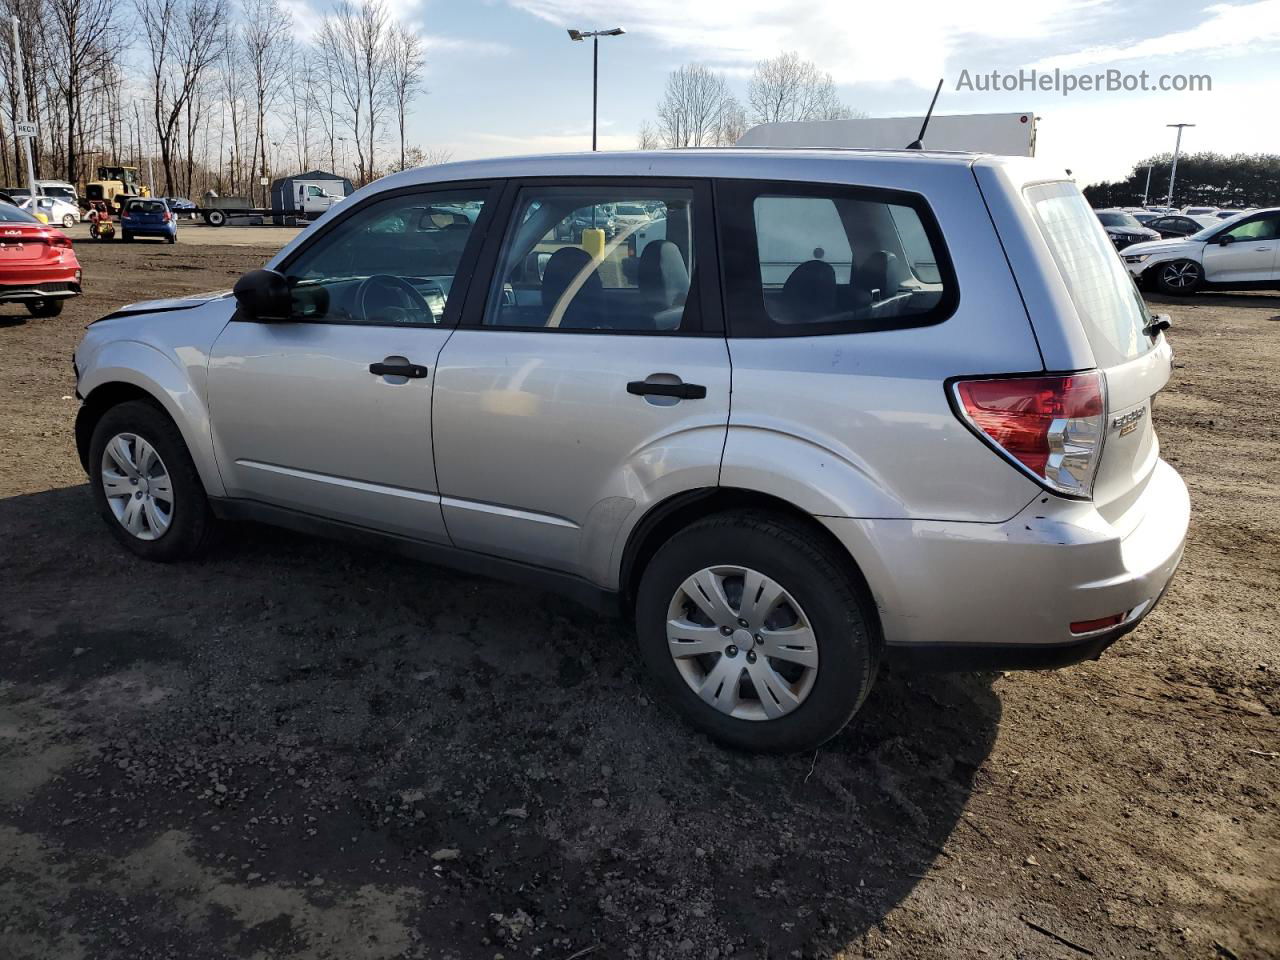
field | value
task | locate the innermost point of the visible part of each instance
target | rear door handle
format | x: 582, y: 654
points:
x: 413, y: 371
x: 682, y: 391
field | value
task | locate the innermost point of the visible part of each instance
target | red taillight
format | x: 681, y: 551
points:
x: 1088, y: 626
x: 59, y: 240
x: 167, y: 216
x: 1052, y: 426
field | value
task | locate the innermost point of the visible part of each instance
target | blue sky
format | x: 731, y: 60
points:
x: 503, y: 76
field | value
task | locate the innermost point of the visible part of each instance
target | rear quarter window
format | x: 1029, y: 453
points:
x: 807, y: 259
x: 1104, y: 295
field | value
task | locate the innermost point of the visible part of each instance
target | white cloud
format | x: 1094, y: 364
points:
x: 1237, y: 29
x: 468, y: 45
x: 858, y: 43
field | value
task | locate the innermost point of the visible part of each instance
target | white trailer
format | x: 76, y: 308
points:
x: 1007, y: 134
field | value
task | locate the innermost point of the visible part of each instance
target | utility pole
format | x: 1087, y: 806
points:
x: 1147, y: 189
x: 1177, y: 148
x: 24, y: 129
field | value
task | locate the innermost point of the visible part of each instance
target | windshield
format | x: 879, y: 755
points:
x: 1100, y: 287
x: 10, y: 214
x: 1118, y: 220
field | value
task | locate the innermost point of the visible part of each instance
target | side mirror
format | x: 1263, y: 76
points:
x: 1226, y: 239
x: 264, y: 296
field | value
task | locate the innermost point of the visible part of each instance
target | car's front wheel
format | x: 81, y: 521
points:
x: 145, y: 484
x: 69, y: 221
x: 756, y: 630
x: 1179, y: 277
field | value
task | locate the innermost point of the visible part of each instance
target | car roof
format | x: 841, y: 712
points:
x: 753, y: 162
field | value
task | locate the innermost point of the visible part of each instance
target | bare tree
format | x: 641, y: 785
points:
x: 647, y: 138
x: 87, y: 31
x: 268, y: 47
x: 183, y: 40
x: 405, y: 62
x: 786, y: 87
x: 353, y: 42
x: 692, y: 110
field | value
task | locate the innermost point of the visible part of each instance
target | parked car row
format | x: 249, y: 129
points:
x: 1241, y: 253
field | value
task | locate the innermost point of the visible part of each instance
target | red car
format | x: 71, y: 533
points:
x: 38, y: 267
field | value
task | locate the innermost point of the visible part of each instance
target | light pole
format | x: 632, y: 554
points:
x: 1147, y: 189
x: 1177, y: 148
x: 577, y: 36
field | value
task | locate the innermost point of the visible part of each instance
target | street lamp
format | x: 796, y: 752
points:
x: 578, y: 36
x: 1173, y: 170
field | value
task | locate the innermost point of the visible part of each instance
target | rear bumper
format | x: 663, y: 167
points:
x: 149, y: 229
x: 53, y: 289
x: 1003, y: 596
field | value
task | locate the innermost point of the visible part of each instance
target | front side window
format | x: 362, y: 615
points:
x: 1264, y: 228
x: 805, y: 260
x: 391, y: 262
x: 615, y: 259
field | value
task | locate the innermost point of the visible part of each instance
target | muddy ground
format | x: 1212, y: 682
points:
x: 299, y: 749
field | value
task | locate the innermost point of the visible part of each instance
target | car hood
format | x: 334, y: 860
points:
x: 1132, y: 232
x: 165, y: 306
x: 1174, y: 246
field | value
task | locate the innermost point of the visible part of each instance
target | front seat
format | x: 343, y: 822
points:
x: 586, y: 307
x: 882, y: 271
x: 809, y: 294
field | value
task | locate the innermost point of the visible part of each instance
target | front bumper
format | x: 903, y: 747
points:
x: 1004, y: 596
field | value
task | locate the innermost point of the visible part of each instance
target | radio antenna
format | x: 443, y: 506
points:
x: 918, y: 143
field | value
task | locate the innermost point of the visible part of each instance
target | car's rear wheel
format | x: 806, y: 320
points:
x: 1179, y: 277
x: 145, y: 484
x: 127, y: 237
x: 215, y: 218
x: 172, y: 238
x: 757, y: 632
x: 44, y: 308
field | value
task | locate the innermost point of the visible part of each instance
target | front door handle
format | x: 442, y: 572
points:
x: 413, y: 371
x: 681, y: 391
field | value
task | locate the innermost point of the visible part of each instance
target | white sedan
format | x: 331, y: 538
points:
x: 55, y: 209
x: 1239, y: 254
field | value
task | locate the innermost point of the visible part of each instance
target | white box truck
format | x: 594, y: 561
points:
x: 1007, y: 134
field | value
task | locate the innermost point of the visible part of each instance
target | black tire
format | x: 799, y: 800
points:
x: 44, y: 308
x: 215, y: 218
x: 1178, y: 278
x: 69, y: 221
x: 172, y: 239
x: 822, y: 583
x: 192, y: 523
x: 126, y: 237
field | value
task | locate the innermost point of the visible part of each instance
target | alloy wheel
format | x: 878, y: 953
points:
x: 742, y: 643
x: 138, y: 486
x: 1184, y: 273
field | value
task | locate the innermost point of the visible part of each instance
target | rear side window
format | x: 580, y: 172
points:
x: 1101, y: 289
x: 570, y: 264
x: 815, y: 259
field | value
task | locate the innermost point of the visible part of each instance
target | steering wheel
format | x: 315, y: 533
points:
x: 393, y: 298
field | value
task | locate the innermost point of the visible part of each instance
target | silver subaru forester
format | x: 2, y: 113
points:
x: 797, y: 412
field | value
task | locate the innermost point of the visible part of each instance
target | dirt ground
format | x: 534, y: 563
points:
x: 299, y: 749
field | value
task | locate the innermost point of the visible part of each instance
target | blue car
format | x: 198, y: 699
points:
x: 148, y: 217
